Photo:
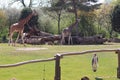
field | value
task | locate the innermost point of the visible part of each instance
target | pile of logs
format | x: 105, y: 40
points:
x: 47, y: 38
x: 50, y: 40
x: 116, y: 40
x: 55, y: 39
x: 89, y: 40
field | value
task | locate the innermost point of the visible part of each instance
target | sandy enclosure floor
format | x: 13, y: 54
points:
x: 30, y: 49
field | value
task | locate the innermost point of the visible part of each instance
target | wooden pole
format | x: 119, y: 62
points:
x: 27, y: 62
x: 57, y: 68
x: 118, y: 69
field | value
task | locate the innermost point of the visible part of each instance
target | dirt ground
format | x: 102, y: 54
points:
x: 30, y: 49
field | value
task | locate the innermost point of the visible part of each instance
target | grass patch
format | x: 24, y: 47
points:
x: 72, y: 67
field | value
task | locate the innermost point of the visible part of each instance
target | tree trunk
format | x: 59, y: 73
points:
x: 59, y: 19
x: 75, y: 9
x: 23, y: 3
x: 30, y: 4
x: 76, y: 16
x: 111, y: 32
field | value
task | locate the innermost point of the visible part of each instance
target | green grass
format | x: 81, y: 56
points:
x: 72, y: 67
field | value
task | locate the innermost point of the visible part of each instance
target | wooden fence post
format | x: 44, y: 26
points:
x: 118, y: 69
x: 57, y: 67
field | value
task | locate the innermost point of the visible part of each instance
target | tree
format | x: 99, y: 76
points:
x: 115, y: 19
x: 56, y: 9
x: 81, y: 5
x: 72, y: 6
x: 30, y: 3
x: 22, y: 2
x: 3, y: 20
x: 84, y: 5
x: 3, y: 25
x: 86, y: 26
x: 104, y: 20
x: 12, y: 15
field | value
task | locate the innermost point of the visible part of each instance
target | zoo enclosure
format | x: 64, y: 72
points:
x: 58, y: 57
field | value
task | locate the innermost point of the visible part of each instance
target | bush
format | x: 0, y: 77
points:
x: 116, y: 19
x: 3, y: 23
x: 48, y: 26
x: 4, y: 39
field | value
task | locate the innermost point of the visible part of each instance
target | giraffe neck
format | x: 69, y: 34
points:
x: 73, y: 25
x: 25, y: 20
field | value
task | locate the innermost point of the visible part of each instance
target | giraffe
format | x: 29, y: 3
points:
x: 19, y: 27
x: 67, y: 32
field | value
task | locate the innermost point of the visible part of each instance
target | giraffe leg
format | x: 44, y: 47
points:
x: 68, y: 40
x: 17, y: 38
x: 22, y: 37
x: 10, y: 39
x: 63, y: 39
x: 9, y: 42
x: 12, y: 42
x: 71, y: 41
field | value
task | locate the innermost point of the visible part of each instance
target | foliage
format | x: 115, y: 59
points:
x: 116, y: 2
x: 12, y: 15
x: 3, y: 24
x: 56, y: 8
x: 92, y: 22
x: 84, y: 5
x: 116, y: 19
x: 86, y: 25
x: 28, y: 4
x: 2, y: 18
x: 104, y: 19
x: 7, y: 18
x: 48, y: 26
x: 70, y: 6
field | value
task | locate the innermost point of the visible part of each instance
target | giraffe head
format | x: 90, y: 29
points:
x: 78, y: 19
x: 34, y: 12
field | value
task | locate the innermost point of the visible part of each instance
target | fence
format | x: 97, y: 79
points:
x: 58, y: 57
